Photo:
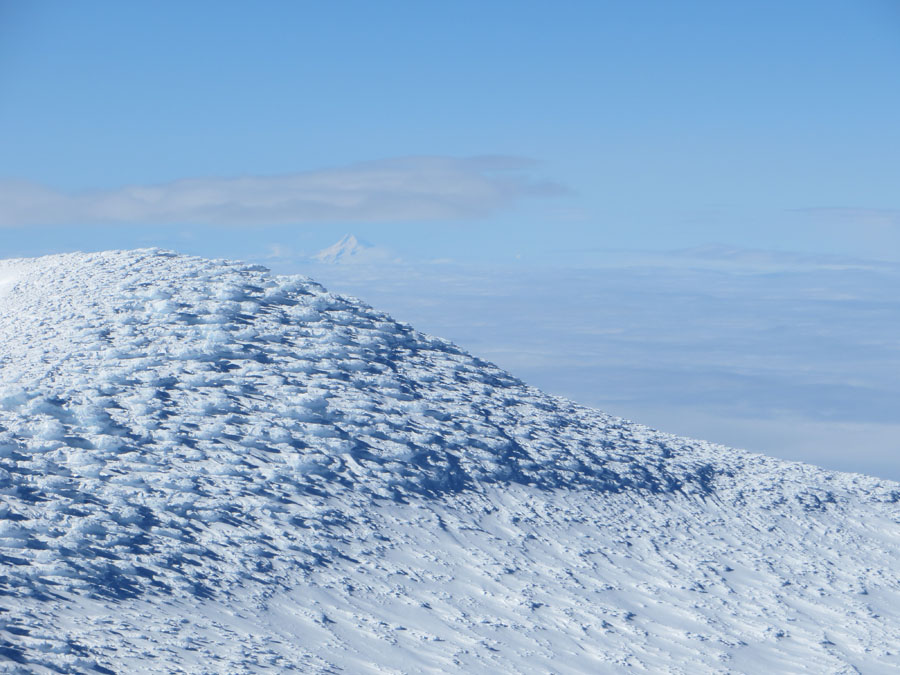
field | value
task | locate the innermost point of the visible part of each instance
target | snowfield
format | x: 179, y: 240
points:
x: 6, y: 283
x: 207, y: 468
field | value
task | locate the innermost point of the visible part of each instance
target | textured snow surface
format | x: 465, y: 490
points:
x: 206, y: 468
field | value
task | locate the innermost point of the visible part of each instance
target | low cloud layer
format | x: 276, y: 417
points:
x: 799, y: 362
x: 864, y: 217
x: 404, y: 189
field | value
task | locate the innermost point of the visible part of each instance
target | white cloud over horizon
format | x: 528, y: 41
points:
x: 859, y: 216
x: 400, y: 189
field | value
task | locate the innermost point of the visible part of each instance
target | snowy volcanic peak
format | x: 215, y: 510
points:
x: 314, y: 486
x: 347, y: 246
x: 350, y: 250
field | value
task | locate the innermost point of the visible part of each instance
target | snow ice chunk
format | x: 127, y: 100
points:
x: 164, y: 307
x: 155, y: 292
x: 279, y: 434
x: 50, y: 430
x: 229, y: 292
x: 12, y: 398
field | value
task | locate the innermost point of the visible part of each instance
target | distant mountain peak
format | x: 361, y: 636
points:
x: 348, y: 249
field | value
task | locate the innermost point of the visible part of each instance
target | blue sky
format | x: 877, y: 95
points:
x: 521, y: 141
x: 765, y: 124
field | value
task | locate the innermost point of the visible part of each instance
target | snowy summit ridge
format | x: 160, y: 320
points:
x: 208, y: 468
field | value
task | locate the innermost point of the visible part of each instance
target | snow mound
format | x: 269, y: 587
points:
x: 243, y: 467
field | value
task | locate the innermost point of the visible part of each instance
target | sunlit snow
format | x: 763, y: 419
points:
x: 6, y: 284
x: 208, y: 468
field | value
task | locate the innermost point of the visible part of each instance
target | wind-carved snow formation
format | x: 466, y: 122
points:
x: 208, y: 468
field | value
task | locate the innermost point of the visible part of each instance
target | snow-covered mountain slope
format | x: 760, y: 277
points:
x: 351, y: 251
x: 206, y: 468
x: 6, y: 284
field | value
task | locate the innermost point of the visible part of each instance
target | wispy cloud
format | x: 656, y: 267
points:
x: 866, y: 217
x: 403, y: 189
